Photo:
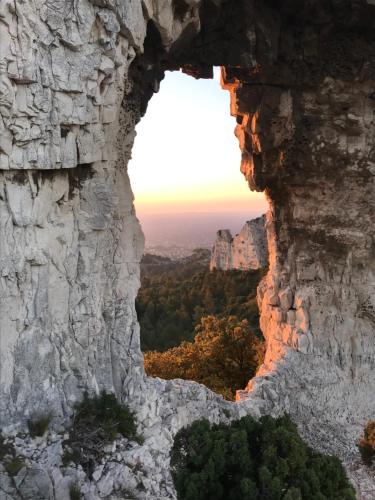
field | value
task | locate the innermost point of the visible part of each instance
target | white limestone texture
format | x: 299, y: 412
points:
x: 247, y: 250
x: 70, y: 242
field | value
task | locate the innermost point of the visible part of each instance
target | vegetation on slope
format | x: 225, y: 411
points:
x: 261, y: 460
x: 224, y: 355
x: 97, y: 421
x: 199, y: 325
x: 182, y: 268
x: 9, y: 459
x: 172, y: 301
x: 367, y: 443
x: 39, y: 424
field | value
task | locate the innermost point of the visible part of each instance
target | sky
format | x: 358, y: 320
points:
x: 186, y: 157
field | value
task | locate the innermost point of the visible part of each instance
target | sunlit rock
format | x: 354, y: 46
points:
x: 74, y: 81
x: 247, y: 250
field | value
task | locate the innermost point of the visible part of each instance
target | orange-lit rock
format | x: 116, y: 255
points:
x: 73, y: 85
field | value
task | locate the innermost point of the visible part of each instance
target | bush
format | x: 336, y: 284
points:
x: 250, y: 459
x: 11, y: 461
x: 105, y: 416
x: 38, y: 425
x: 13, y: 465
x: 75, y: 492
x: 97, y: 422
x: 367, y: 444
x: 224, y: 356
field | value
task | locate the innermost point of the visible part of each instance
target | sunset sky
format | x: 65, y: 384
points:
x: 186, y: 157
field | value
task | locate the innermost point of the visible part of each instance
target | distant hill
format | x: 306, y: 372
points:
x: 185, y: 231
x: 153, y: 265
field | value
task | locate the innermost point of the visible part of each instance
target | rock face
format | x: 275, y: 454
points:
x: 221, y: 254
x: 247, y: 250
x: 75, y: 77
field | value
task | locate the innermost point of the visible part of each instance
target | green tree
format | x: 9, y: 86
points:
x: 258, y: 460
x: 172, y: 301
x: 224, y: 356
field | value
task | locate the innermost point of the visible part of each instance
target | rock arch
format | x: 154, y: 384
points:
x: 75, y: 77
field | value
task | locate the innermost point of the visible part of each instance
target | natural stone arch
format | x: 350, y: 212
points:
x: 297, y: 86
x: 74, y: 82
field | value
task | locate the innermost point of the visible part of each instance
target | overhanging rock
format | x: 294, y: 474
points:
x: 75, y: 78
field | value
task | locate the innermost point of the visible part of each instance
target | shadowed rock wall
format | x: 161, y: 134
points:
x: 75, y: 77
x: 70, y: 243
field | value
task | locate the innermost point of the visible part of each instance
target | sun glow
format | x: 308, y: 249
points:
x: 185, y: 156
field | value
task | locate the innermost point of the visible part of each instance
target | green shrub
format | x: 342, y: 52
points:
x: 39, y: 424
x: 97, y: 422
x: 75, y: 492
x: 13, y: 465
x: 105, y: 416
x: 8, y: 457
x: 250, y: 459
x: 367, y: 444
x: 6, y: 448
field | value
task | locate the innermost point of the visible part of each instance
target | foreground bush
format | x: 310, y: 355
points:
x: 253, y: 460
x: 224, y: 356
x: 11, y: 462
x: 97, y: 422
x: 39, y: 425
x: 367, y: 443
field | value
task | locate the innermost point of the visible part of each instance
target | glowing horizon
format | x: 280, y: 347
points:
x: 193, y: 205
x: 186, y: 157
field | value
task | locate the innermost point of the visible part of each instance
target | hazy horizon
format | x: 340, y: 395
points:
x: 190, y: 230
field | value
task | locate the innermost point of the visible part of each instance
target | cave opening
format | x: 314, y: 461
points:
x: 196, y: 324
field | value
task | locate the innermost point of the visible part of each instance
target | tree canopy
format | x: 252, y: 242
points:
x: 224, y: 356
x: 252, y: 459
x: 171, y: 303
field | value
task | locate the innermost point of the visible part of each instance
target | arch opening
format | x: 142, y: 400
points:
x: 301, y: 79
x: 197, y: 324
x: 287, y: 89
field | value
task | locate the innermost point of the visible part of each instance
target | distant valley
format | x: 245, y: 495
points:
x: 177, y: 235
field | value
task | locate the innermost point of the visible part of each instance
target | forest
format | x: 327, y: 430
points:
x: 198, y: 324
x: 174, y: 297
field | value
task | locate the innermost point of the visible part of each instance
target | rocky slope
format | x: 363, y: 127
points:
x: 247, y: 250
x: 75, y: 77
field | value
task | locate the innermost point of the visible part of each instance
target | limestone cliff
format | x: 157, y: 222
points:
x: 221, y: 253
x: 75, y: 78
x: 247, y: 250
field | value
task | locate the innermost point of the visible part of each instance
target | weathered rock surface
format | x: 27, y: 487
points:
x: 247, y: 250
x: 75, y: 77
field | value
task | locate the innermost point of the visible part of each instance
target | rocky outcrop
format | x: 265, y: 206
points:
x: 221, y: 254
x: 247, y: 250
x: 75, y: 77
